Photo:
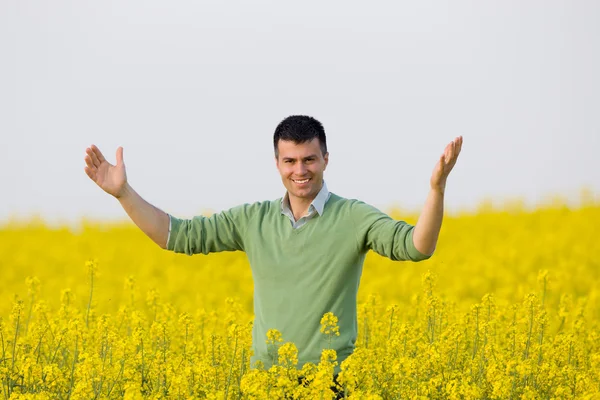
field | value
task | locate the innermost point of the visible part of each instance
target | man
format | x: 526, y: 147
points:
x: 306, y: 250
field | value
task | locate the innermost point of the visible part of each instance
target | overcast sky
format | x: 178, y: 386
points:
x: 193, y: 91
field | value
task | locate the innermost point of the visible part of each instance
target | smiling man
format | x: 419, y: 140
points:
x: 306, y: 249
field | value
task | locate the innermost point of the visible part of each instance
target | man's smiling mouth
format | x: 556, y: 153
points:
x: 301, y: 180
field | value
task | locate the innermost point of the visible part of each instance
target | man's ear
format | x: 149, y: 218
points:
x: 326, y: 157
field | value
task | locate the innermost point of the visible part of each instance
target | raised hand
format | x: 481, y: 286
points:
x: 111, y: 178
x: 445, y: 164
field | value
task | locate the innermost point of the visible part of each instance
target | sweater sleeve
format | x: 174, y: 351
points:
x: 221, y: 231
x: 387, y: 237
x: 169, y: 234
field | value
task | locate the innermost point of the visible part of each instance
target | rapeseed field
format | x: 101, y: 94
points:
x: 507, y: 308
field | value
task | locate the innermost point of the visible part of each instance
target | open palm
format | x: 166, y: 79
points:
x: 111, y: 178
x: 445, y: 164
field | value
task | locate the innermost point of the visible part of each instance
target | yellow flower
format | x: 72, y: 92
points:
x: 478, y: 334
x: 33, y: 285
x: 288, y: 354
x: 329, y: 324
x: 328, y: 355
x: 273, y: 336
x: 92, y: 266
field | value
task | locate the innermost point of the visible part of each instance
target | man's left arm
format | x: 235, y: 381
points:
x: 428, y: 226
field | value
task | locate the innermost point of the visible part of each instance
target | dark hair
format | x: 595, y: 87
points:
x: 300, y: 129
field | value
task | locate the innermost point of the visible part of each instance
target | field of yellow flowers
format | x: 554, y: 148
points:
x: 508, y: 307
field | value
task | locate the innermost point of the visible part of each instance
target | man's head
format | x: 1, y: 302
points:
x: 301, y: 155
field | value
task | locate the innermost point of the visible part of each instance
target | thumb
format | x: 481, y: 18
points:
x: 440, y: 162
x: 120, y: 155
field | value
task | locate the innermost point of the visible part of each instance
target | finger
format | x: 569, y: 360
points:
x: 458, y: 146
x: 120, y: 155
x: 94, y: 157
x: 455, y: 146
x: 438, y: 170
x: 442, y: 164
x: 90, y: 173
x: 98, y: 153
x: 446, y: 153
x: 89, y: 162
x: 450, y: 153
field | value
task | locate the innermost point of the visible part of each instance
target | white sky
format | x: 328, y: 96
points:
x: 193, y: 91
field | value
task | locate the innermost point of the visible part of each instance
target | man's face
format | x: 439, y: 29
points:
x: 301, y: 167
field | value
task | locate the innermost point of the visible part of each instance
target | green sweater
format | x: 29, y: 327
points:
x: 300, y: 274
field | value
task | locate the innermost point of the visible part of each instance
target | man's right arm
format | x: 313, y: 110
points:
x: 150, y: 219
x: 113, y: 180
x: 220, y: 232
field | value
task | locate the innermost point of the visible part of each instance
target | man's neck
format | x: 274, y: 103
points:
x: 300, y: 205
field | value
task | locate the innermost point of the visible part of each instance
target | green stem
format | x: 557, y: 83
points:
x: 87, y: 316
x: 118, y: 377
x: 15, y: 341
x: 526, y: 353
x: 142, y: 349
x: 391, y: 322
x: 476, y: 338
x: 12, y: 367
x: 31, y: 300
x: 231, y: 367
x: 541, y: 341
x: 164, y: 346
x: 4, y: 390
x: 544, y: 294
x: 73, y: 368
x: 366, y: 333
x: 242, y: 367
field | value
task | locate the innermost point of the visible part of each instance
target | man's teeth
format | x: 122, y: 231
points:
x: 302, y: 181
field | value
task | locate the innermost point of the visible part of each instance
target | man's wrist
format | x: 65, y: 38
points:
x: 125, y: 192
x: 438, y: 190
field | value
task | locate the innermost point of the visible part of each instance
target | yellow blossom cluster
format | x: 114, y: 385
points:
x: 508, y: 307
x: 329, y: 324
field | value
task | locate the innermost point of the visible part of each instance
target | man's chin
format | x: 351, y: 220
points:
x: 303, y: 194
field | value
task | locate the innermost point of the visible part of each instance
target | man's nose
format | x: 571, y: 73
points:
x: 300, y: 169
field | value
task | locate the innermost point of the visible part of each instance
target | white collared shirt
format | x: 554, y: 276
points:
x: 316, y: 207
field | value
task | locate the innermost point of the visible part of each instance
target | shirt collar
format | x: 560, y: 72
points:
x: 318, y: 202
